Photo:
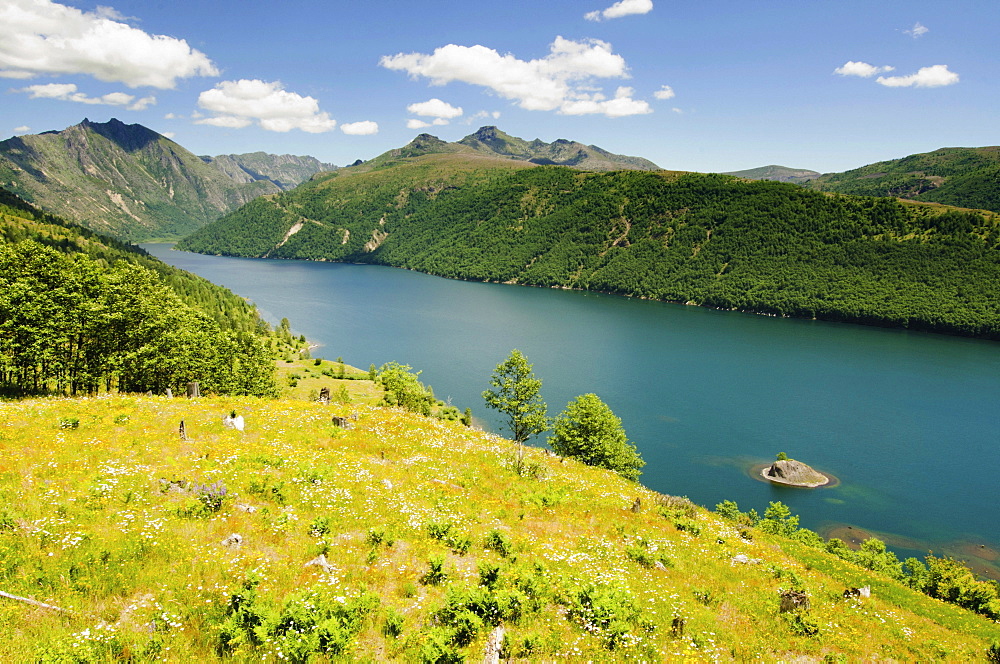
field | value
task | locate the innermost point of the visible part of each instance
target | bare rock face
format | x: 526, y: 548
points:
x: 795, y: 473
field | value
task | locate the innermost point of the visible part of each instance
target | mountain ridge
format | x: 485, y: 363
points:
x: 131, y: 182
x: 492, y: 143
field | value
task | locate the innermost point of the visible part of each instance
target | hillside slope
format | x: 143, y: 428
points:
x: 400, y: 538
x: 122, y: 180
x: 711, y: 240
x: 967, y: 177
x: 284, y: 170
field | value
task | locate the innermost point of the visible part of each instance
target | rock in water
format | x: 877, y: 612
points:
x: 795, y: 473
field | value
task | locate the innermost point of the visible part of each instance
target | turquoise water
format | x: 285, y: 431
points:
x: 908, y: 422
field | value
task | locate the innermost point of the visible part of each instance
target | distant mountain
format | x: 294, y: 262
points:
x: 130, y: 182
x: 491, y: 143
x: 777, y: 173
x: 560, y: 152
x: 964, y: 177
x: 284, y: 170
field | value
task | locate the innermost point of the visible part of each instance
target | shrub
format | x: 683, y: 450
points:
x: 315, y: 622
x: 69, y: 422
x: 607, y: 612
x: 445, y: 532
x: 393, y: 625
x: 676, y: 506
x: 801, y: 623
x: 436, y: 573
x: 499, y: 542
x: 211, y: 496
x: 320, y: 526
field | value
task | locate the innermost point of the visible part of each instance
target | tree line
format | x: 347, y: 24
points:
x: 69, y: 325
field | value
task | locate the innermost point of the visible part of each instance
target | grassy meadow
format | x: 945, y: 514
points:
x: 208, y: 547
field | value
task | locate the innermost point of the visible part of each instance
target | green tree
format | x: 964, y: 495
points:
x: 403, y: 388
x: 589, y: 431
x: 517, y: 394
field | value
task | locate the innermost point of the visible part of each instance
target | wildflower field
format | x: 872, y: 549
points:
x: 396, y: 537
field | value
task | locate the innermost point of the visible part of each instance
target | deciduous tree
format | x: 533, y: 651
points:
x: 589, y: 431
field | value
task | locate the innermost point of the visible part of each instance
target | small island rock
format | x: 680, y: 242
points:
x: 794, y: 473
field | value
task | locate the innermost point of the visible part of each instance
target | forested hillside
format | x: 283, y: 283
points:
x: 967, y: 177
x: 711, y: 240
x: 80, y: 313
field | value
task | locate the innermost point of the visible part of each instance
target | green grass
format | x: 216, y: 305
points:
x: 430, y: 538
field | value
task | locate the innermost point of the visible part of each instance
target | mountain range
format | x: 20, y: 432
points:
x: 133, y: 183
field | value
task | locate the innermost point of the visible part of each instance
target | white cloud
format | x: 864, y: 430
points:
x: 917, y: 30
x: 435, y: 108
x: 862, y: 69
x: 226, y: 121
x: 69, y: 92
x: 363, y: 128
x: 621, y: 106
x: 171, y: 116
x: 621, y: 8
x: 42, y: 37
x: 677, y: 110
x: 558, y: 82
x: 23, y: 129
x: 238, y: 104
x: 935, y: 76
x: 482, y: 115
x: 168, y: 134
x: 413, y: 123
x: 665, y: 92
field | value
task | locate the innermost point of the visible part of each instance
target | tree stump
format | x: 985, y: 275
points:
x: 494, y: 644
x: 794, y: 600
x: 193, y: 389
x: 341, y: 422
x: 324, y: 395
x: 182, y: 431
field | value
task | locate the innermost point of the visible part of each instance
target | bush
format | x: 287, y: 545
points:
x: 446, y: 533
x: 212, y: 497
x: 436, y: 573
x: 393, y: 625
x: 499, y: 542
x: 589, y: 431
x: 607, y: 612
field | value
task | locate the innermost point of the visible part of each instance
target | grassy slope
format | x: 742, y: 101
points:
x: 91, y: 524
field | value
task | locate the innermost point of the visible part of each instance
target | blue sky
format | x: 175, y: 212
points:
x: 709, y: 86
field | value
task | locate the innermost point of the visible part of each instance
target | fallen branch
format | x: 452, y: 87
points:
x: 33, y: 602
